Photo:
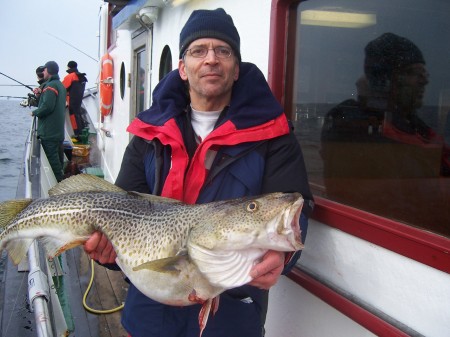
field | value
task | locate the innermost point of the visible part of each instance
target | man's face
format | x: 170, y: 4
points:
x: 410, y: 85
x: 210, y: 78
x: 46, y: 74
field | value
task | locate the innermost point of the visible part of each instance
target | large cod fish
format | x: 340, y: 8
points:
x: 174, y: 253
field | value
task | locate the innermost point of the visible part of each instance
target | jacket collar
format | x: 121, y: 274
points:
x: 252, y: 102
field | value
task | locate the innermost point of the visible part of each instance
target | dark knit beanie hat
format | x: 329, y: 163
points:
x: 388, y: 53
x: 52, y: 67
x: 215, y: 24
x: 40, y: 72
x: 72, y: 64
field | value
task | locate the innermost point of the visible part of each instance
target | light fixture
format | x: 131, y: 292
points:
x: 337, y: 19
x: 174, y: 3
x: 148, y: 15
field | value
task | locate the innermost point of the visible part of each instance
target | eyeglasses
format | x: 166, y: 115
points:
x: 221, y: 52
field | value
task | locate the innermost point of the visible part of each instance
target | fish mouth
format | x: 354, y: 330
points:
x: 291, y: 224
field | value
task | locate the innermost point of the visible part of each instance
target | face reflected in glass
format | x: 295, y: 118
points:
x: 410, y: 83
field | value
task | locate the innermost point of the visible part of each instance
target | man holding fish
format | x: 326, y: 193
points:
x: 214, y: 132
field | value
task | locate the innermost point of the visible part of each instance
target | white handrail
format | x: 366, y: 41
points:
x: 38, y: 292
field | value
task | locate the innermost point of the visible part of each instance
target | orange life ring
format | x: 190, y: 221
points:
x: 106, y: 85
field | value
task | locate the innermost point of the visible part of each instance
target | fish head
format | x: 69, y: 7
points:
x: 270, y: 221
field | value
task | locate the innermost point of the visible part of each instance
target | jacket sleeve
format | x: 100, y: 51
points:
x: 47, y: 102
x: 285, y: 169
x: 286, y: 172
x: 132, y: 175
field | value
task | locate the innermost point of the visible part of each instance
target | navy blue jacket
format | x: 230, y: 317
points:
x: 256, y: 153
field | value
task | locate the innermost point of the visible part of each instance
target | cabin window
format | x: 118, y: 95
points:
x: 139, y: 76
x: 122, y: 80
x: 368, y: 90
x: 165, y: 65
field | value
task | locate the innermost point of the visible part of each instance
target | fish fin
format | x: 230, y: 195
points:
x: 182, y: 252
x: 84, y: 183
x: 154, y: 198
x: 225, y: 269
x: 55, y: 247
x: 17, y: 249
x: 166, y: 265
x: 215, y: 302
x: 9, y: 210
x: 208, y: 308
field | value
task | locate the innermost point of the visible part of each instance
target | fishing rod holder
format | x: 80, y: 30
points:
x: 37, y: 285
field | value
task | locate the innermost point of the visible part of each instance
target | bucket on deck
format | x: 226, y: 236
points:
x: 84, y: 136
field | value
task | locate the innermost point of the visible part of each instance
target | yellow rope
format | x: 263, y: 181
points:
x: 94, y: 311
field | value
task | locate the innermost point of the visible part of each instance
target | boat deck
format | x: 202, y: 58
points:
x: 108, y: 290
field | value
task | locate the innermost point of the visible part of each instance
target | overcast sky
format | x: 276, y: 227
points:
x: 33, y: 32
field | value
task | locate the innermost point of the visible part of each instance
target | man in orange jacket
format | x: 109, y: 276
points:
x: 75, y: 83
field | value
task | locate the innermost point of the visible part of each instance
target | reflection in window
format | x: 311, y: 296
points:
x: 371, y: 102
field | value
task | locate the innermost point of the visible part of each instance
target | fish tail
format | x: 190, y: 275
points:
x: 9, y: 210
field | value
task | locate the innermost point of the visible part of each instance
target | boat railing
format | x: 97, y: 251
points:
x: 40, y: 283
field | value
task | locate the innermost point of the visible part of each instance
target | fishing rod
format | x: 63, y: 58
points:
x: 71, y: 45
x: 13, y: 85
x: 13, y: 97
x: 26, y: 86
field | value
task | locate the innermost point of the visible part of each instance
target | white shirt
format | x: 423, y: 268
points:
x: 203, y: 122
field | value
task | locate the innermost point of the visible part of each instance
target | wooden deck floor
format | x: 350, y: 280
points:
x: 108, y: 291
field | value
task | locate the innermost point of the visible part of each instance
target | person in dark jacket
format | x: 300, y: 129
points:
x: 33, y: 99
x: 75, y: 83
x: 214, y: 132
x: 40, y: 76
x: 51, y: 116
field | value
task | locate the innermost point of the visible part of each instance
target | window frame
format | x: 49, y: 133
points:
x: 422, y: 246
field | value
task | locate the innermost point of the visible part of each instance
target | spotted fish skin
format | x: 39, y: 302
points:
x: 174, y: 253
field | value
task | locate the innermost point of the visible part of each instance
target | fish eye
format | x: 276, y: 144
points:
x: 252, y: 206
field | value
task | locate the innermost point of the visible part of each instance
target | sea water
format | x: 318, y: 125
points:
x: 15, y: 123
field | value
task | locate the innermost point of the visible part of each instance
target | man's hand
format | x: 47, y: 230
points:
x: 266, y: 273
x: 99, y: 248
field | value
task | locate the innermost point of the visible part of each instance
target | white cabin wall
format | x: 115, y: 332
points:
x: 103, y: 29
x: 117, y: 122
x: 165, y: 34
x: 410, y: 292
x: 294, y: 312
